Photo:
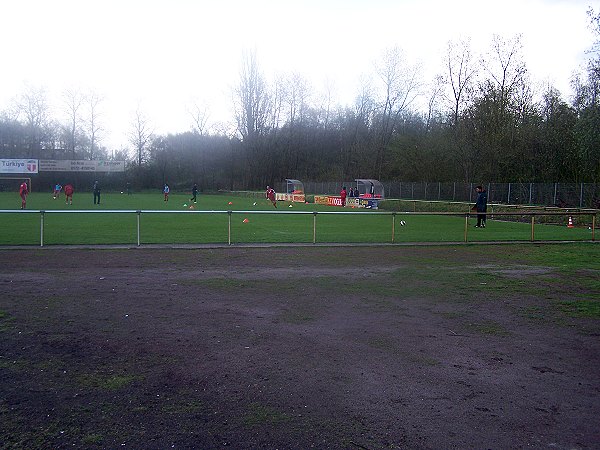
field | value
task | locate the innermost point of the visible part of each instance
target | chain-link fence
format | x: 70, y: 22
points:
x: 574, y: 195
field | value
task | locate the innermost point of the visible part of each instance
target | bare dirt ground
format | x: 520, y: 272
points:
x: 391, y: 347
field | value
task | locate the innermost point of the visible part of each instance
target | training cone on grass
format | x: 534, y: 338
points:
x: 192, y: 207
x: 245, y: 221
x: 230, y: 203
x: 570, y: 224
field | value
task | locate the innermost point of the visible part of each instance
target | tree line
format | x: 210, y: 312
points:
x: 481, y: 120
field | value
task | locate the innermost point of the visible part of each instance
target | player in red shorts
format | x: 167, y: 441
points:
x: 270, y: 194
x: 23, y: 191
x: 343, y: 195
x: 69, y: 194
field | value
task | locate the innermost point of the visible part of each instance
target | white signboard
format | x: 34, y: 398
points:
x: 72, y: 165
x: 19, y: 166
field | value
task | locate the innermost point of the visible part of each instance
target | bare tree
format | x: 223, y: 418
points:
x: 32, y: 104
x: 94, y: 127
x: 199, y: 113
x: 251, y: 105
x: 73, y: 99
x: 461, y: 75
x: 506, y: 68
x: 400, y: 85
x: 432, y: 105
x: 140, y: 136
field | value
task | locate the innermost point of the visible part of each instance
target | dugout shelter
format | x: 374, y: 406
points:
x: 294, y: 191
x: 294, y: 186
x: 369, y: 188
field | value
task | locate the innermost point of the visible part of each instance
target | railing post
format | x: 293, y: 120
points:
x: 594, y: 227
x: 41, y: 228
x: 532, y: 227
x: 138, y: 214
x: 393, y: 227
x: 466, y: 226
x: 314, y: 227
x: 228, y: 227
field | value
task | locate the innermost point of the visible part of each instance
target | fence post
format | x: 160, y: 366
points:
x: 581, y: 196
x: 466, y: 225
x: 393, y: 227
x: 41, y: 228
x: 532, y: 227
x: 554, y: 198
x: 594, y: 227
x: 508, y: 199
x: 314, y: 227
x: 138, y: 213
x: 530, y: 192
x: 228, y: 227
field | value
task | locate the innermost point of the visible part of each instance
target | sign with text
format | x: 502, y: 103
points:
x: 73, y: 165
x: 19, y: 166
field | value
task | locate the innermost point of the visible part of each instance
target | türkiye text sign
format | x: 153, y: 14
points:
x: 19, y: 166
x: 73, y: 165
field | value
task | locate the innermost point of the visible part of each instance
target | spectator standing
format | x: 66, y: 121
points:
x: 166, y: 191
x: 481, y: 206
x: 96, y: 192
x: 194, y: 193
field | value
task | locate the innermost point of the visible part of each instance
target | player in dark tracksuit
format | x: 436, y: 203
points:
x: 96, y: 192
x: 481, y: 206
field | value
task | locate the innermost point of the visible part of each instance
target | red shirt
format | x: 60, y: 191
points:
x: 69, y: 190
x: 23, y: 189
x: 343, y: 194
x: 270, y: 194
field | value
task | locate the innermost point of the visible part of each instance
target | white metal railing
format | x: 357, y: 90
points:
x: 393, y: 215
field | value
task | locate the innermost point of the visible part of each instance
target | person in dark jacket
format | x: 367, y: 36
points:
x: 96, y: 192
x: 481, y: 206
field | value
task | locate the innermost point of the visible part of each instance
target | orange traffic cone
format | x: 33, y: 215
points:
x: 570, y: 224
x: 245, y: 221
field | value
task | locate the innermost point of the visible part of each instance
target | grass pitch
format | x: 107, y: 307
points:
x: 253, y: 220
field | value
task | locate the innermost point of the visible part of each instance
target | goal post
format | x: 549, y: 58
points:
x: 12, y: 184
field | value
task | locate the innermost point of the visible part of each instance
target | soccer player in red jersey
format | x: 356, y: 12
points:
x: 69, y: 194
x: 343, y: 195
x: 270, y: 194
x: 23, y: 191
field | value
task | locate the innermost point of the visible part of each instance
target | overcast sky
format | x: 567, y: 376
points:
x: 165, y: 55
